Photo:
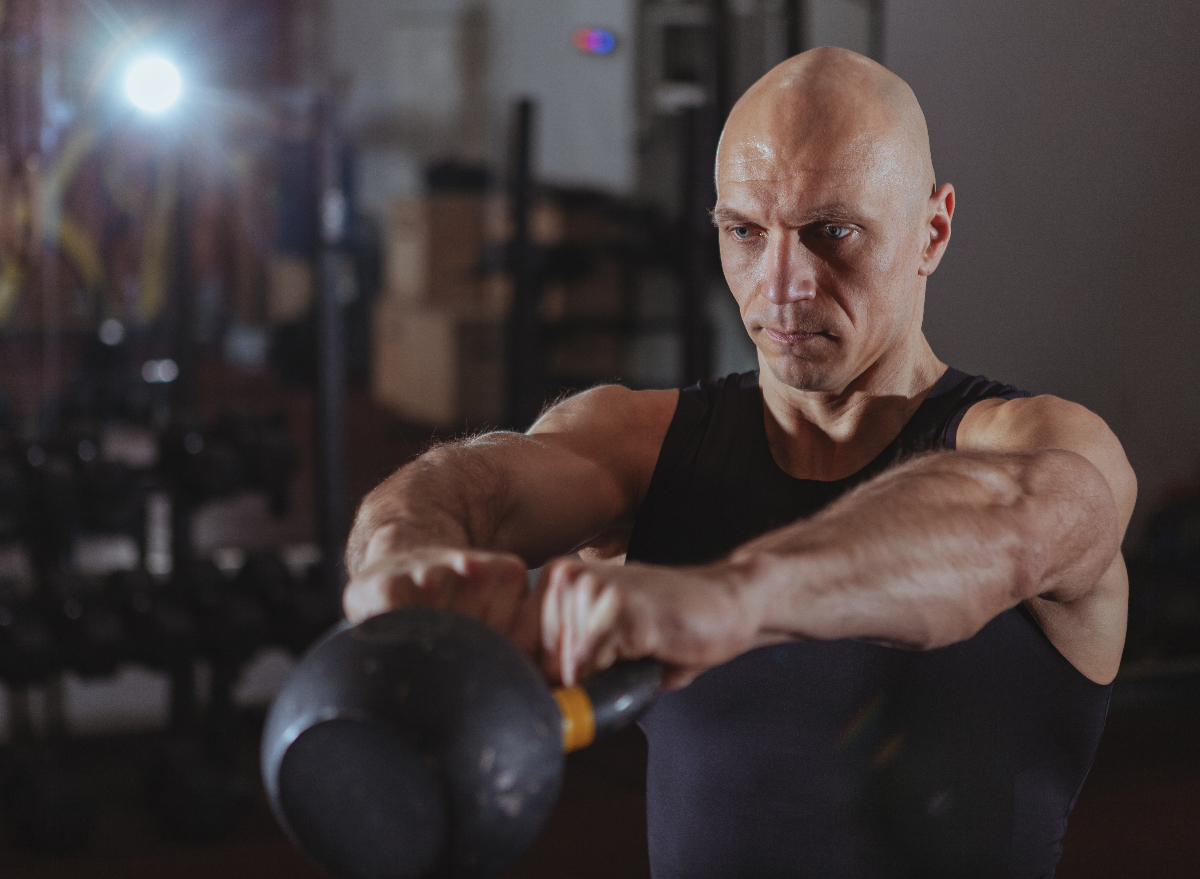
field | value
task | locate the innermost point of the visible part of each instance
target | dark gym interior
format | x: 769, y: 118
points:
x: 239, y: 291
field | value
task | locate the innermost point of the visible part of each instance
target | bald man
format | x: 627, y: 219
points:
x: 889, y: 596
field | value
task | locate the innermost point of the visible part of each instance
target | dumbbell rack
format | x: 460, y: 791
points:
x: 65, y: 488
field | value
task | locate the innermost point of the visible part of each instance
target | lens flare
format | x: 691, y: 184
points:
x: 153, y: 84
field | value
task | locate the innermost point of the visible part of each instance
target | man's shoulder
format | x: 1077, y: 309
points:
x: 1026, y: 421
x: 617, y: 429
x: 1049, y: 422
x: 609, y: 407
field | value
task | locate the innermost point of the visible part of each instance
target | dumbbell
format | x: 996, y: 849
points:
x: 240, y: 452
x: 91, y: 625
x: 111, y: 495
x: 191, y: 783
x: 14, y: 512
x: 202, y: 464
x: 159, y: 617
x: 54, y: 502
x: 422, y: 743
x: 30, y: 651
x: 41, y: 794
x: 233, y: 621
x: 299, y: 610
x: 267, y: 453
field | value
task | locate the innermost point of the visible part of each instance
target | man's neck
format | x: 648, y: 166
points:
x: 828, y: 435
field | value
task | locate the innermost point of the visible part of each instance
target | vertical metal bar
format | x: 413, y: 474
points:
x: 717, y: 36
x: 330, y: 346
x: 796, y: 37
x: 184, y: 388
x: 698, y: 242
x: 524, y: 353
x: 699, y: 245
x: 877, y: 28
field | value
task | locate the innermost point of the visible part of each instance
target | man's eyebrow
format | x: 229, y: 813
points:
x: 833, y: 212
x: 721, y: 215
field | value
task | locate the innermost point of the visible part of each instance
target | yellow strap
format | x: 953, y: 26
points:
x: 578, y: 720
x: 73, y: 241
x: 11, y: 277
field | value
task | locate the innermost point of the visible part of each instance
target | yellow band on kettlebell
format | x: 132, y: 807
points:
x: 578, y: 719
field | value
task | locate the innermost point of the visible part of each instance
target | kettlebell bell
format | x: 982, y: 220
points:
x: 423, y: 743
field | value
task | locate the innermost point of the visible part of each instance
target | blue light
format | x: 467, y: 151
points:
x: 594, y: 40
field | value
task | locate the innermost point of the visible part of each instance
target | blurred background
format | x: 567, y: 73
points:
x: 256, y: 254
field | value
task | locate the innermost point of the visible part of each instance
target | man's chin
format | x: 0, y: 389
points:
x: 804, y: 375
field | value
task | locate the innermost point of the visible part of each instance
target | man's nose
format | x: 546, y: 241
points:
x: 789, y: 271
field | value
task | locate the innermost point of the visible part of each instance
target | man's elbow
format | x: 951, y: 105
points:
x: 1070, y: 529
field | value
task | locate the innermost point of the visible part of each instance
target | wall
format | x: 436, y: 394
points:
x: 1070, y: 132
x: 420, y: 87
x: 586, y: 121
x: 845, y: 23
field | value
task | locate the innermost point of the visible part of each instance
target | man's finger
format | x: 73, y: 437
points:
x: 490, y: 589
x: 525, y: 625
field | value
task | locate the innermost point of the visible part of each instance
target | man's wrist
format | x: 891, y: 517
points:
x: 397, y: 537
x: 747, y: 577
x: 777, y: 587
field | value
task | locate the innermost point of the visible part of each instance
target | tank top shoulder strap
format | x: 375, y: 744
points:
x: 940, y: 414
x: 708, y: 415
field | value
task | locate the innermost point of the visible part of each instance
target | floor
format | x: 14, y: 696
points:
x: 1138, y: 815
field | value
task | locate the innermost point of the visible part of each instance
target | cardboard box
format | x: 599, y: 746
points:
x: 568, y: 221
x: 439, y: 366
x: 554, y: 221
x: 586, y: 359
x: 290, y: 287
x: 599, y: 295
x: 434, y: 250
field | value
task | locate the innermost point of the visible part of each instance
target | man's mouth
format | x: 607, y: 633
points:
x: 793, y: 337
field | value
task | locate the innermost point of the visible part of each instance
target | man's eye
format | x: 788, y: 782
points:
x: 835, y: 232
x: 741, y: 233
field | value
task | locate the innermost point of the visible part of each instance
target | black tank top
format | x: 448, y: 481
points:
x: 843, y: 759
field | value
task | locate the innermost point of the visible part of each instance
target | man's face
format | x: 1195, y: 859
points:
x: 821, y: 243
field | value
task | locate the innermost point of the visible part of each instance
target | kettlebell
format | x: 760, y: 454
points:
x: 422, y: 743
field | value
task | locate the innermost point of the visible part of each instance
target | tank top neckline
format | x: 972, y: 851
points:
x: 924, y: 411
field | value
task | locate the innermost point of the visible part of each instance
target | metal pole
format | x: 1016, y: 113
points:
x: 877, y: 30
x: 698, y: 244
x: 796, y: 38
x: 330, y: 347
x: 524, y: 338
x: 184, y: 389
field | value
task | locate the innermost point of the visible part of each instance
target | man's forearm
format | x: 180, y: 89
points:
x: 929, y: 552
x: 453, y: 496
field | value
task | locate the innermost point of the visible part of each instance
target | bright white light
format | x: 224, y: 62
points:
x: 112, y: 332
x: 152, y: 83
x: 160, y: 372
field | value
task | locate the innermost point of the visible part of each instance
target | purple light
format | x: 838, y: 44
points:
x: 594, y: 40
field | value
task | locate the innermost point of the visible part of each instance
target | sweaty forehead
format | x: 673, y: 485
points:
x: 827, y: 115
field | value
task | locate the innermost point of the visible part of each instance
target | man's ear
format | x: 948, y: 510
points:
x: 940, y: 211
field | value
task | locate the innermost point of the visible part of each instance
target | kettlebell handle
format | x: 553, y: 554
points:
x: 608, y: 701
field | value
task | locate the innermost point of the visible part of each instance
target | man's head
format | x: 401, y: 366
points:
x: 829, y: 220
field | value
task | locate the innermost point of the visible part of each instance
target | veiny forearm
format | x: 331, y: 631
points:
x: 930, y: 551
x: 455, y: 495
x: 506, y: 492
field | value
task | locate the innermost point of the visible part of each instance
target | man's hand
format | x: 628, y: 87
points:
x: 488, y: 586
x: 690, y: 619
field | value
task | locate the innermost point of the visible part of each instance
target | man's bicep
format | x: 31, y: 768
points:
x: 1048, y: 422
x: 584, y: 469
